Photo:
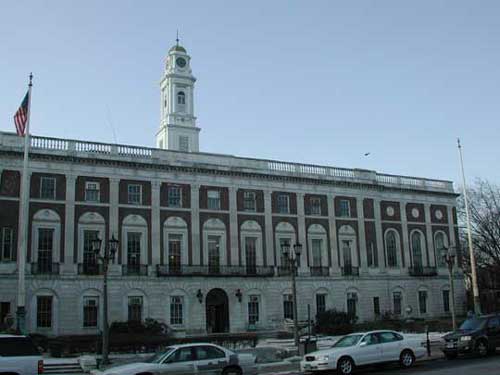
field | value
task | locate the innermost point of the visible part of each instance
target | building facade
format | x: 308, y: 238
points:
x: 201, y: 234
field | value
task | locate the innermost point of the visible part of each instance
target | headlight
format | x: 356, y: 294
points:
x: 465, y: 338
x: 323, y: 358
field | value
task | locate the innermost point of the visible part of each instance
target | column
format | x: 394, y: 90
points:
x: 361, y: 235
x: 155, y: 225
x: 268, y: 215
x: 406, y: 241
x: 431, y: 260
x: 233, y: 226
x: 380, y: 235
x: 302, y: 238
x: 334, y: 251
x: 114, y: 191
x: 69, y: 266
x: 195, y: 224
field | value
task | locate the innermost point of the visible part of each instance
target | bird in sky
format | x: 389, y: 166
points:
x: 367, y: 153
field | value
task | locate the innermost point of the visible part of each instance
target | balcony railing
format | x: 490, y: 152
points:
x: 225, y: 271
x: 320, y: 271
x: 42, y: 268
x: 153, y: 155
x: 134, y: 270
x: 421, y: 271
x: 350, y: 271
x: 90, y: 269
x: 286, y: 271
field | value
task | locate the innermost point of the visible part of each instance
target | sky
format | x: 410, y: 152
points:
x: 320, y: 82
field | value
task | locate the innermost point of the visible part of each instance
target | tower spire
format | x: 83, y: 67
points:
x: 177, y: 38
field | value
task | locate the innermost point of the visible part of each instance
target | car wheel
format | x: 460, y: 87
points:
x: 482, y: 348
x: 232, y: 371
x: 345, y: 366
x: 451, y: 356
x: 407, y: 358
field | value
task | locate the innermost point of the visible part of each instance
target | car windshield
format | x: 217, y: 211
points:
x: 346, y: 341
x: 159, y: 356
x: 472, y: 324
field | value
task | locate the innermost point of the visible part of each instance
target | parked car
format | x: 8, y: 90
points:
x: 199, y: 358
x: 361, y: 349
x: 19, y: 356
x: 480, y: 335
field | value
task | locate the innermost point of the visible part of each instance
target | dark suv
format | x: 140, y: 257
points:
x: 480, y: 335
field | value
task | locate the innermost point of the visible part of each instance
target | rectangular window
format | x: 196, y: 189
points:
x: 92, y: 191
x: 283, y: 204
x: 320, y: 303
x: 183, y: 143
x: 249, y: 201
x: 44, y: 311
x: 134, y: 194
x: 48, y: 188
x: 213, y: 202
x: 174, y: 252
x: 316, y: 251
x: 397, y: 302
x: 90, y: 311
x: 288, y: 306
x: 133, y: 251
x: 213, y: 254
x: 135, y: 309
x: 253, y: 309
x: 422, y: 301
x: 315, y: 206
x: 376, y: 306
x: 6, y: 244
x: 446, y: 301
x: 174, y: 196
x: 176, y: 304
x: 345, y: 209
x: 251, y: 255
x: 45, y: 248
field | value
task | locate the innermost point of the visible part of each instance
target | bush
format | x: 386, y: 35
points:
x: 333, y: 322
x: 148, y: 327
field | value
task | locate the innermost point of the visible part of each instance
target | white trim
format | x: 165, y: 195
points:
x: 175, y: 226
x: 215, y: 227
x: 134, y: 223
x: 46, y: 219
x: 251, y: 229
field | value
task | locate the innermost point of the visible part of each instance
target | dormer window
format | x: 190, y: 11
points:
x: 181, y: 98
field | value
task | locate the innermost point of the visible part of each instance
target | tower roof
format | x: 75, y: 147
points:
x: 177, y: 48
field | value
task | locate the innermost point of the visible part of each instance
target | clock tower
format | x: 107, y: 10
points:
x: 178, y: 129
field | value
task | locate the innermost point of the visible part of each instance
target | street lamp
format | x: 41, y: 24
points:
x: 106, y: 259
x: 449, y: 254
x: 293, y: 263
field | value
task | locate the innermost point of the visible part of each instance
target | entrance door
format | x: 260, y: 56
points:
x: 217, y: 311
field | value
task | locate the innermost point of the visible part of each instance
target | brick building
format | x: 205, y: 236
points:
x: 200, y: 234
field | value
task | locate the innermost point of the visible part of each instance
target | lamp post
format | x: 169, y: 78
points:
x: 109, y: 255
x: 292, y: 258
x: 449, y: 254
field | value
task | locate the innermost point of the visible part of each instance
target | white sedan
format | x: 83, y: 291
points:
x: 361, y: 349
x: 200, y: 358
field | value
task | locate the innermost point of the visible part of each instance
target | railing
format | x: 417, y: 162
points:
x: 42, y: 268
x: 90, y: 269
x: 320, y: 271
x: 225, y: 161
x: 421, y: 271
x: 350, y: 271
x: 134, y: 270
x: 286, y: 271
x: 226, y: 271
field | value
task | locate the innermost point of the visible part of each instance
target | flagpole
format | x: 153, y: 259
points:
x: 475, y: 289
x: 23, y: 225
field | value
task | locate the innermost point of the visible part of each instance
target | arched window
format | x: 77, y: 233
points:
x: 391, y: 249
x: 440, y: 246
x: 181, y: 98
x: 416, y: 249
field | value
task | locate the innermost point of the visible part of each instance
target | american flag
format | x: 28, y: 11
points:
x: 21, y: 116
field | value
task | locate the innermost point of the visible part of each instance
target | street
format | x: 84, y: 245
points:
x: 461, y: 366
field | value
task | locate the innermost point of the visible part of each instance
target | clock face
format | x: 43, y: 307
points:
x: 181, y: 62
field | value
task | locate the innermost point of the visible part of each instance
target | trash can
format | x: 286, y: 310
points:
x: 307, y: 345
